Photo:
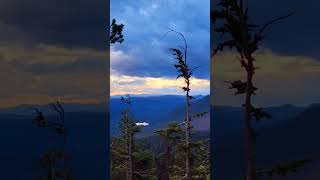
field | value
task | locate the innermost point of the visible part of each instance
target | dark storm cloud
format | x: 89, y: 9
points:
x: 280, y: 79
x: 48, y: 59
x: 79, y: 66
x: 21, y: 84
x: 297, y: 35
x: 60, y: 22
x: 38, y: 74
x: 52, y: 49
x: 289, y: 60
x: 147, y: 50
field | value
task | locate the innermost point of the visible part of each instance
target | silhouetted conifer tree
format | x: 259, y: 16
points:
x: 185, y: 72
x: 50, y: 159
x: 116, y: 32
x: 171, y: 135
x: 233, y: 25
x: 127, y: 160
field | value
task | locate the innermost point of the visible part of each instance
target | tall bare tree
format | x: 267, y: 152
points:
x: 128, y: 129
x: 115, y: 36
x: 185, y: 72
x: 237, y: 32
x: 123, y: 147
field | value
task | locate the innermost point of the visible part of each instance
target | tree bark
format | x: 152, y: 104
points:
x: 130, y: 157
x: 129, y: 147
x: 249, y: 136
x: 52, y: 167
x: 188, y: 174
x: 65, y: 158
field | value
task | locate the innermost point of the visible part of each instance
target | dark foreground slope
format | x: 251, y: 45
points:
x: 22, y: 144
x: 288, y: 140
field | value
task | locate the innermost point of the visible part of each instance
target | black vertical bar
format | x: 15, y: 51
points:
x: 107, y: 14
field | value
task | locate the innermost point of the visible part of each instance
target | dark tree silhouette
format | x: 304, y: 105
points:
x: 129, y: 129
x: 127, y: 160
x: 58, y: 126
x: 187, y: 144
x: 282, y: 169
x: 116, y: 32
x: 171, y: 135
x: 233, y: 25
x: 49, y: 161
x: 185, y: 72
x: 114, y: 37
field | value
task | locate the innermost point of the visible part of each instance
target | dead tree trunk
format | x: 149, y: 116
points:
x: 164, y: 164
x: 52, y: 167
x: 129, y: 146
x: 245, y: 37
x: 188, y: 133
x: 185, y: 72
x: 249, y: 131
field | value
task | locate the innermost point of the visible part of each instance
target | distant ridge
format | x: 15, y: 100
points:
x: 25, y: 109
x: 69, y: 107
x: 286, y: 140
x: 153, y: 95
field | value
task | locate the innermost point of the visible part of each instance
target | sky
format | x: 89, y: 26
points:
x: 143, y: 64
x: 52, y: 50
x: 288, y: 61
x: 57, y: 50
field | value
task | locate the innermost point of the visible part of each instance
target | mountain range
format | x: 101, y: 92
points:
x: 160, y: 110
x: 291, y: 134
x: 279, y: 141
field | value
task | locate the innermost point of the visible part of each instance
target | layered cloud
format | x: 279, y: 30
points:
x: 147, y: 44
x: 294, y: 36
x: 281, y: 79
x: 45, y: 73
x: 289, y: 64
x: 149, y: 85
x: 56, y: 49
x: 143, y: 64
x: 80, y: 23
x: 146, y: 83
x: 297, y: 35
x: 52, y: 50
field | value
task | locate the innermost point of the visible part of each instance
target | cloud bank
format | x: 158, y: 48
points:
x: 281, y: 79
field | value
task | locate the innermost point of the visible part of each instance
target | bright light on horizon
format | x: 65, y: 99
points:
x: 134, y: 85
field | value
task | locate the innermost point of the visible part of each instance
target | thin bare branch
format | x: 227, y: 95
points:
x: 266, y: 25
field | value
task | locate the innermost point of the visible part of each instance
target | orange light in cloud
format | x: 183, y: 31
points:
x: 123, y: 84
x: 149, y: 85
x: 36, y: 99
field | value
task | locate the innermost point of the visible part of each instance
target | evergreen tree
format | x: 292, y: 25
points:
x: 116, y: 32
x: 50, y: 159
x: 50, y: 162
x: 232, y: 24
x: 185, y: 72
x: 128, y: 161
x: 186, y: 146
x: 171, y: 135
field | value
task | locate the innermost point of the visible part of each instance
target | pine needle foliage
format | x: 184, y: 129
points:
x: 116, y: 35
